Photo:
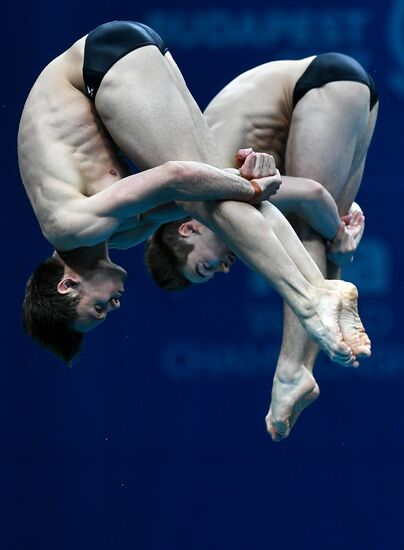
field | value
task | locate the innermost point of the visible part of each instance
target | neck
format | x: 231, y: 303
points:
x: 82, y: 258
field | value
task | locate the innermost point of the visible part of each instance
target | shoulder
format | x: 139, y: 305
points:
x: 58, y: 227
x: 73, y: 227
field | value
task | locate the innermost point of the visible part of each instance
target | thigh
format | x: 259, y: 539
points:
x: 329, y: 127
x: 149, y: 112
x: 350, y: 190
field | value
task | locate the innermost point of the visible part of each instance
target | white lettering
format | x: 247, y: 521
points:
x: 302, y: 29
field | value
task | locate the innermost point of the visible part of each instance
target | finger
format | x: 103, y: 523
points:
x: 272, y: 165
x: 354, y: 230
x: 254, y: 162
x: 264, y: 166
x: 355, y: 218
x: 361, y: 219
x: 247, y: 168
x: 242, y: 155
x: 260, y: 166
x: 267, y: 165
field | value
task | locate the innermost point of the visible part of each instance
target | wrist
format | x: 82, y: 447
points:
x: 257, y: 192
x: 341, y: 230
x: 335, y: 243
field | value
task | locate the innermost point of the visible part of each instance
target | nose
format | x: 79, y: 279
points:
x: 224, y: 267
x: 220, y: 266
x: 114, y: 304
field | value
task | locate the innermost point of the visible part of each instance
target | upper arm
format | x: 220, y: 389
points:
x: 75, y: 228
x: 87, y: 221
x: 134, y: 231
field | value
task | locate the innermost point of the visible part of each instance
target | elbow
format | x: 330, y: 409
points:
x: 178, y: 176
x: 314, y: 198
x: 312, y: 201
x: 179, y: 171
x: 314, y: 191
x: 53, y: 230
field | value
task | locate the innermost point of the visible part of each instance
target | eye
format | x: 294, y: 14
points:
x: 207, y: 267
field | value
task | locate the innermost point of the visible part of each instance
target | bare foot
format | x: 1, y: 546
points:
x: 322, y: 324
x: 290, y: 396
x: 352, y: 328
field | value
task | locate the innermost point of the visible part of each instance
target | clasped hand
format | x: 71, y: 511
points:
x: 341, y: 250
x: 259, y: 167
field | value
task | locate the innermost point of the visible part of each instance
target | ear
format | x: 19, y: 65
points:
x: 66, y: 285
x: 188, y: 228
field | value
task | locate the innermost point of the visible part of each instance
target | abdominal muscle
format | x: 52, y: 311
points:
x: 63, y: 148
x: 255, y: 110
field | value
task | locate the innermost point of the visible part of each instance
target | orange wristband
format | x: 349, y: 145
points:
x: 257, y: 192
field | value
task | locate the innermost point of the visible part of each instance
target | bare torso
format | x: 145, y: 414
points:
x: 64, y: 150
x: 255, y: 110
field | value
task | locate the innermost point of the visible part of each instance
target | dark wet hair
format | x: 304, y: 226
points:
x: 165, y: 254
x: 49, y: 316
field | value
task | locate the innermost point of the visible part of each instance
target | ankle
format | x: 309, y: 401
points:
x: 288, y: 372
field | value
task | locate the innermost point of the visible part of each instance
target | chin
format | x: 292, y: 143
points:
x: 116, y: 269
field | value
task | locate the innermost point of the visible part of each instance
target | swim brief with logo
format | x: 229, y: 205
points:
x: 108, y: 43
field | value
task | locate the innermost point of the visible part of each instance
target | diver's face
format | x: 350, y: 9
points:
x: 209, y: 256
x: 101, y: 292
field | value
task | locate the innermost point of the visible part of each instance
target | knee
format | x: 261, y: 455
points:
x: 308, y: 193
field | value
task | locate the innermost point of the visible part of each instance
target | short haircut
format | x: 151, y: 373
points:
x: 47, y: 315
x: 165, y: 254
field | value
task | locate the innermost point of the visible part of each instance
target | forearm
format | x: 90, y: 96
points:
x: 169, y: 182
x: 201, y: 182
x: 292, y: 243
x: 315, y: 206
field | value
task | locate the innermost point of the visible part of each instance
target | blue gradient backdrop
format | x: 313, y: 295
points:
x: 156, y: 440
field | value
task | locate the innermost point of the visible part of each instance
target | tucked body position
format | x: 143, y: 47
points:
x: 106, y: 96
x: 316, y: 117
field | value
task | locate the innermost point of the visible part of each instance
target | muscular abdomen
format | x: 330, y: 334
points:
x: 255, y: 110
x: 64, y: 150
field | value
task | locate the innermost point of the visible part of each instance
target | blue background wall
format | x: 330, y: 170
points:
x: 156, y: 438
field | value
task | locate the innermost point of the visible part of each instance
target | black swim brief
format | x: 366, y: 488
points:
x: 333, y: 67
x: 108, y: 43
